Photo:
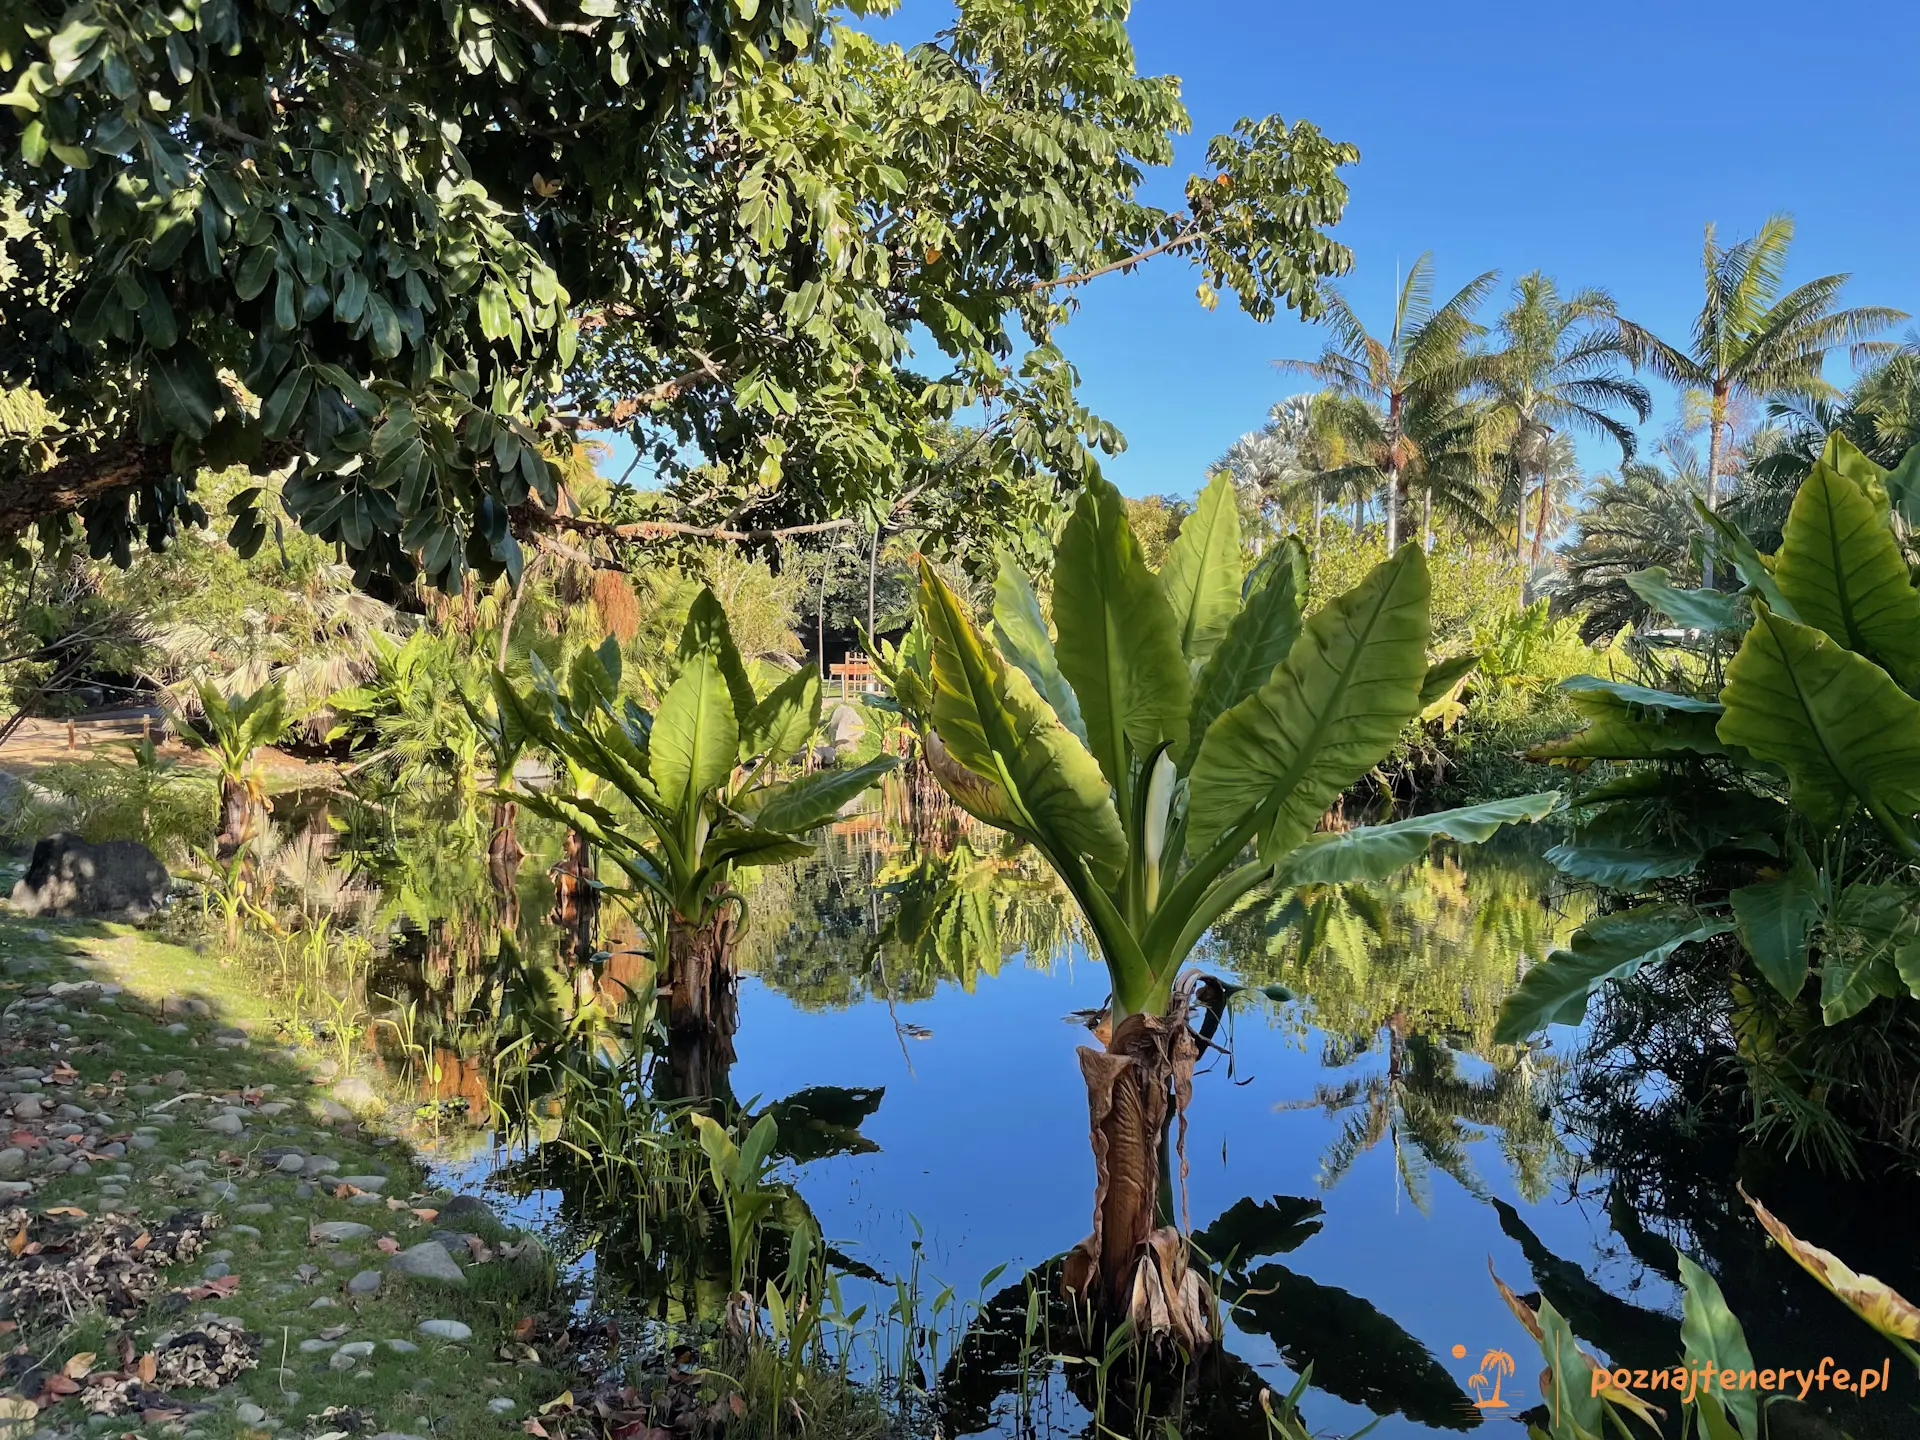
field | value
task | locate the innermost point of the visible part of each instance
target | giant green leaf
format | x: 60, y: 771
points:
x: 809, y: 801
x: 1841, y: 570
x: 1730, y: 542
x: 1634, y: 722
x: 1835, y: 722
x: 1610, y: 948
x: 1903, y: 488
x: 695, y: 738
x: 1119, y: 646
x: 1443, y: 675
x: 185, y: 390
x: 783, y: 722
x: 1259, y: 637
x: 1202, y: 574
x: 1775, y: 919
x: 1036, y: 778
x: 1373, y: 852
x: 1020, y: 630
x: 1869, y: 930
x: 1713, y: 611
x: 1330, y: 713
x: 1847, y: 460
x: 1714, y: 1340
x: 1621, y: 863
x: 708, y: 633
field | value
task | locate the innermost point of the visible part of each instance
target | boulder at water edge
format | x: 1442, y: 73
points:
x: 114, y: 880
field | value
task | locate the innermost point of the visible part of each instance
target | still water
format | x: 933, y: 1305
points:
x: 1362, y: 1146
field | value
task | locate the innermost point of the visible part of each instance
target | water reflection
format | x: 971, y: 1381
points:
x: 901, y: 1020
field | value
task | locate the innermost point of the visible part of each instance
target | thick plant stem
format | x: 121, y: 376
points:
x: 236, y: 816
x: 1133, y: 1267
x: 576, y: 904
x: 702, y: 1002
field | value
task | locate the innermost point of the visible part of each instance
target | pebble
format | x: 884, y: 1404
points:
x: 403, y: 1347
x: 291, y: 1164
x: 256, y: 1207
x: 143, y: 1142
x: 325, y: 1302
x: 367, y: 1282
x: 26, y: 1108
x: 13, y: 1162
x: 227, y: 1124
x: 428, y: 1261
x: 375, y: 1183
x: 314, y: 1347
x: 452, y: 1330
x: 331, y: 1230
x: 500, y: 1405
x: 357, y: 1349
x: 248, y: 1413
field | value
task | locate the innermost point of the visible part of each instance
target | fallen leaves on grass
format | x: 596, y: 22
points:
x: 62, y: 1264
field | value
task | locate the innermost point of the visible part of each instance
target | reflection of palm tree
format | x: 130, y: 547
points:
x: 1500, y: 1363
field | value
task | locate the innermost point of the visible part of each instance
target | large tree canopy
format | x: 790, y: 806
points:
x: 403, y: 251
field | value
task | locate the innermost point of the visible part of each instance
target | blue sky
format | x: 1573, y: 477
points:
x: 1592, y: 143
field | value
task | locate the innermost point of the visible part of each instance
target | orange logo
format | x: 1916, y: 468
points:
x: 1495, y: 1367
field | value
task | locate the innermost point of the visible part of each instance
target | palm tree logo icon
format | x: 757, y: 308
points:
x: 1498, y: 1364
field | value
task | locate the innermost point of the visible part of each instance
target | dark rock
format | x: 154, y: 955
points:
x: 461, y: 1205
x: 117, y: 879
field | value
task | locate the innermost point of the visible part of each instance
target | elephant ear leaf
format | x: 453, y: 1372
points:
x: 803, y: 804
x: 1330, y: 712
x: 1119, y: 644
x: 1835, y: 722
x: 1714, y: 1340
x: 708, y: 633
x: 1260, y: 636
x: 1611, y: 948
x: 784, y: 721
x: 1443, y: 675
x: 1841, y: 570
x: 1903, y: 488
x: 1713, y: 611
x: 1020, y: 630
x: 1634, y: 722
x: 1730, y: 542
x: 1003, y: 753
x: 1774, y: 920
x: 1202, y: 574
x: 1373, y: 852
x: 695, y: 738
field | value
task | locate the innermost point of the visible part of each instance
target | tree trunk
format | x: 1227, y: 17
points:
x: 1520, y: 540
x: 236, y: 816
x: 1539, y: 525
x: 1315, y: 555
x: 1716, y: 417
x: 1426, y: 522
x: 1132, y: 1267
x: 576, y: 904
x: 703, y: 1009
x: 1393, y: 509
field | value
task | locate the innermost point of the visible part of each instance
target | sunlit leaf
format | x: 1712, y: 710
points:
x: 1373, y: 852
x: 1610, y: 948
x: 1202, y: 574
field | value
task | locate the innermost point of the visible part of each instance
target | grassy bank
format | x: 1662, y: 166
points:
x: 155, y: 1090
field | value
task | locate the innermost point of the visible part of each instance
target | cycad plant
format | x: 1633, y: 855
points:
x: 1750, y: 342
x: 1169, y: 747
x: 235, y: 727
x: 698, y: 782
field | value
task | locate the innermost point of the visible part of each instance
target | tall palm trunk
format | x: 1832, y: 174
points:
x: 1717, y: 417
x: 1396, y: 493
x: 1520, y: 539
x: 503, y: 863
x: 1539, y: 527
x: 1133, y: 1267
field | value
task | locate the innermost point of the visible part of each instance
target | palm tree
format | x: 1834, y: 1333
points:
x: 1557, y: 369
x: 1750, y: 341
x: 1423, y: 356
x: 1644, y: 517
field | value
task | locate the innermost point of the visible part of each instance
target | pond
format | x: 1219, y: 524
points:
x: 1357, y: 1149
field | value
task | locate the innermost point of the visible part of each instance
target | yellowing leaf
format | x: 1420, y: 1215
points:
x: 1873, y: 1300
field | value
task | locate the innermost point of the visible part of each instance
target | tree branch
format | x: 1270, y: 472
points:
x: 1186, y: 237
x: 76, y: 480
x: 625, y: 409
x: 575, y: 26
